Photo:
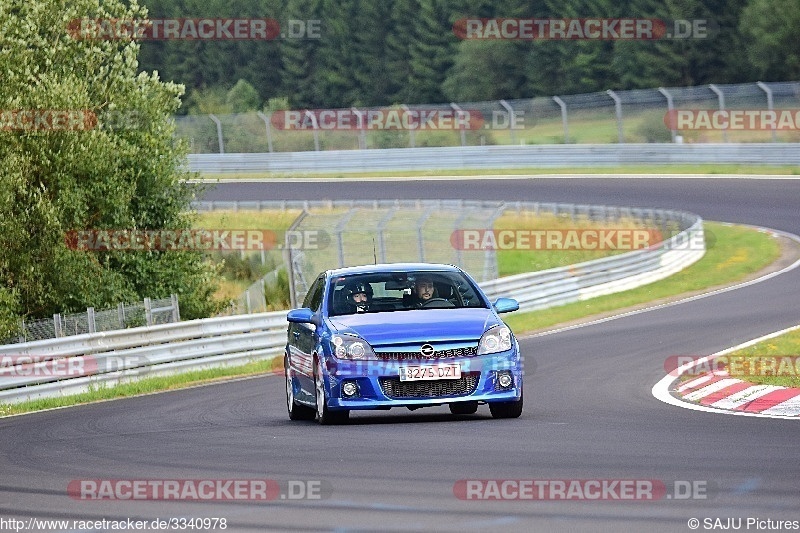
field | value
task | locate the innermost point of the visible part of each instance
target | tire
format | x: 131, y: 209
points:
x: 322, y: 414
x: 511, y: 409
x: 463, y: 408
x: 296, y: 411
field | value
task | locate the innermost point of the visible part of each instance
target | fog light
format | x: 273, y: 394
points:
x: 349, y: 388
x: 504, y: 379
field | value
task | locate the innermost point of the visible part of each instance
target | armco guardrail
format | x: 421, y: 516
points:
x: 73, y: 364
x: 488, y: 157
x: 558, y: 286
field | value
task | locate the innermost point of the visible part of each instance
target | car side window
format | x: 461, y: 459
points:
x: 314, y: 297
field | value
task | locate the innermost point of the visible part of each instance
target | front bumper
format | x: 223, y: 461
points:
x: 378, y: 385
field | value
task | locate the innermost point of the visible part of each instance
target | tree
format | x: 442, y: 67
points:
x: 484, y: 70
x: 430, y: 53
x: 111, y: 163
x: 243, y: 97
x: 773, y: 47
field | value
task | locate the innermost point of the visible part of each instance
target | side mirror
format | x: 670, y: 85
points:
x: 505, y: 305
x: 304, y: 315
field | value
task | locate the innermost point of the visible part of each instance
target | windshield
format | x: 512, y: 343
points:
x: 401, y: 291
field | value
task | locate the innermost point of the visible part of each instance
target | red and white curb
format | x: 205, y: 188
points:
x: 717, y: 392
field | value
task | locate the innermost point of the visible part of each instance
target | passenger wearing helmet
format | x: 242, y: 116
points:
x: 359, y: 296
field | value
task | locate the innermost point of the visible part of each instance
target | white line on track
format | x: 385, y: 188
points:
x: 684, y: 300
x: 495, y: 177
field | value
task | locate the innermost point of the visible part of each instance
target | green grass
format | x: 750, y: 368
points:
x: 786, y: 345
x: 510, y: 262
x: 709, y: 169
x: 146, y: 386
x: 733, y: 253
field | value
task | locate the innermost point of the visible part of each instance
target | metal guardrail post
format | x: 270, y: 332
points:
x: 148, y: 312
x: 57, y: 329
x: 512, y: 120
x: 721, y: 99
x: 381, y: 228
x: 420, y: 238
x: 764, y: 87
x: 90, y: 319
x: 121, y: 315
x: 563, y: 107
x: 412, y: 133
x: 362, y: 129
x: 315, y: 124
x: 340, y: 229
x: 266, y: 120
x: 219, y: 133
x: 460, y: 114
x: 670, y: 107
x: 618, y: 111
x: 176, y: 310
x: 294, y: 261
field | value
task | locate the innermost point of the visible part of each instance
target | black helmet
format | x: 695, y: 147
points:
x: 356, y: 287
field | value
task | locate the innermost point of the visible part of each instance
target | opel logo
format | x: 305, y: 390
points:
x: 427, y: 350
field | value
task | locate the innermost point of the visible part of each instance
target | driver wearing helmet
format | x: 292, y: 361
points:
x: 359, y: 296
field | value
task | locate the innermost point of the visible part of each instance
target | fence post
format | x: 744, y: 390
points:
x: 314, y: 123
x: 121, y: 315
x: 763, y: 86
x: 219, y: 133
x: 512, y: 120
x: 90, y: 319
x: 420, y: 238
x: 266, y: 120
x: 670, y: 107
x: 412, y: 133
x: 460, y: 114
x: 362, y: 129
x: 148, y: 312
x: 721, y: 99
x: 563, y: 107
x: 340, y: 229
x: 618, y: 110
x: 176, y: 310
x: 59, y: 332
x: 381, y: 229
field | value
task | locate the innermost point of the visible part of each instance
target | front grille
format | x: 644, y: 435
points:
x: 467, y: 351
x: 466, y: 384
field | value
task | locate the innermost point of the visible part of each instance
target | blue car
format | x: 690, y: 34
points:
x: 400, y: 335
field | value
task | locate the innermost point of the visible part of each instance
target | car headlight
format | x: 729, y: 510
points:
x: 347, y: 347
x: 496, y: 339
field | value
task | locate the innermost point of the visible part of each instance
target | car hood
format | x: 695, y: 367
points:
x: 426, y: 325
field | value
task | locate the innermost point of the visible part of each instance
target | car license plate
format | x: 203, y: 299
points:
x: 430, y: 372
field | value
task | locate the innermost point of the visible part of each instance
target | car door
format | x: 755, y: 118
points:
x: 302, y: 341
